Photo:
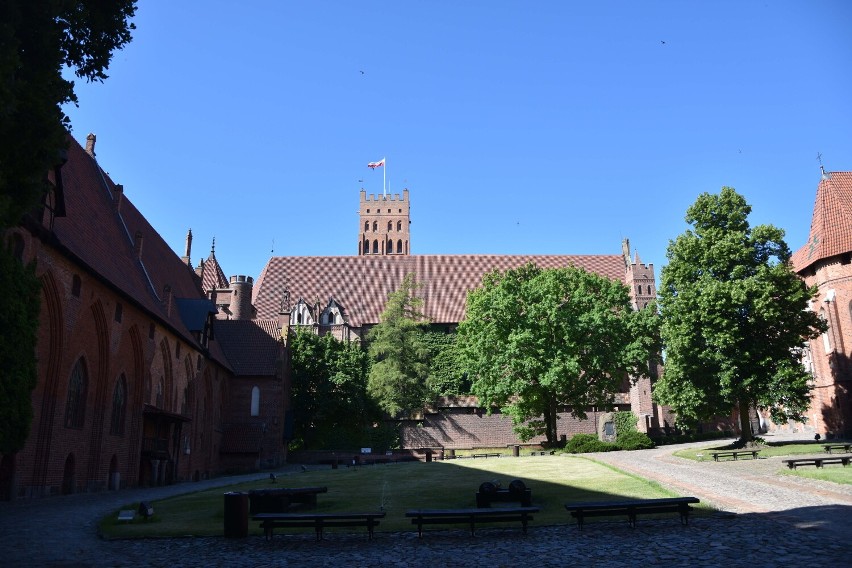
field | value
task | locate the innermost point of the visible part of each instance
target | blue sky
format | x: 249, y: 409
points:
x: 518, y: 127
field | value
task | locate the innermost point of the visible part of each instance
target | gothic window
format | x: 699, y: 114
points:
x: 376, y: 247
x: 119, y: 407
x: 375, y: 226
x: 366, y: 226
x: 76, y: 284
x: 390, y: 226
x: 118, y: 312
x: 75, y: 407
x: 255, y: 401
x: 158, y: 402
x: 399, y: 246
x: 399, y: 225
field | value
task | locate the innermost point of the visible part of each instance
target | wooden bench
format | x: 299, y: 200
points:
x: 844, y: 447
x: 319, y: 521
x: 734, y: 454
x: 631, y: 508
x: 470, y: 517
x: 494, y: 455
x: 279, y: 499
x: 817, y: 461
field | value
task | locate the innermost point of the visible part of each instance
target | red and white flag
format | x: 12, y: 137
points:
x: 374, y: 165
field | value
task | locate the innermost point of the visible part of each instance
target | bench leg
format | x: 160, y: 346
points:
x: 580, y: 519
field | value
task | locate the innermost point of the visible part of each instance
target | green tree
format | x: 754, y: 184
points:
x: 18, y: 336
x: 38, y: 40
x: 399, y: 354
x: 329, y: 393
x: 734, y: 318
x: 446, y: 377
x: 536, y: 340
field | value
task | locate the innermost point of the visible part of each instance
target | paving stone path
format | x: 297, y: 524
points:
x: 766, y: 519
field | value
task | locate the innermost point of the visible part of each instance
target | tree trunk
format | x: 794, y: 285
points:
x: 745, y: 423
x: 550, y: 423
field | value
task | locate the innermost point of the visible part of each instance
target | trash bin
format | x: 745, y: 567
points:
x: 236, y: 514
x: 428, y: 455
x: 516, y: 451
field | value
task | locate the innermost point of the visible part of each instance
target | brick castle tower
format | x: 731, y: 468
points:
x: 384, y: 224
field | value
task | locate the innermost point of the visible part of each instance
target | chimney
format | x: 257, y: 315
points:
x: 90, y: 144
x: 119, y: 196
x: 137, y: 245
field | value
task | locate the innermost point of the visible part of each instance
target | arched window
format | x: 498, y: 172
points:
x: 366, y: 247
x: 75, y: 407
x: 255, y: 401
x: 76, y: 284
x: 366, y: 226
x: 390, y: 226
x: 399, y: 225
x: 376, y: 247
x: 375, y: 226
x: 159, y: 400
x: 399, y: 246
x: 119, y: 407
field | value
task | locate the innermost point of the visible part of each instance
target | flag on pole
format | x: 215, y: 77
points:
x: 374, y: 165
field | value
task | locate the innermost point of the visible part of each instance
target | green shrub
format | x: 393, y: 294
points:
x: 634, y: 441
x: 585, y: 443
x: 625, y: 422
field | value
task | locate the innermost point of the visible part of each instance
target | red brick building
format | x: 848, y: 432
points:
x: 345, y: 296
x: 825, y: 261
x: 135, y: 384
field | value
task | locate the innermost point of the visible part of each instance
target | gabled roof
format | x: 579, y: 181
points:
x: 831, y: 224
x: 251, y: 346
x: 212, y: 275
x: 99, y: 230
x: 362, y: 283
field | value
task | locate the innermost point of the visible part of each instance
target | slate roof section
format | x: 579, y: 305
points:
x: 100, y: 229
x: 362, y: 283
x: 195, y: 311
x: 251, y: 346
x: 831, y: 224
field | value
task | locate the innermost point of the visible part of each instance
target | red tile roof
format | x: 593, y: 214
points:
x: 212, y: 276
x: 361, y: 284
x: 831, y: 224
x: 251, y: 346
x: 101, y: 232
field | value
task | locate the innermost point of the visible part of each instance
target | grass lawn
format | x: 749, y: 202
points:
x: 554, y: 480
x: 770, y: 450
x: 833, y: 473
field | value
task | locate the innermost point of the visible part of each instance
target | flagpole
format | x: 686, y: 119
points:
x: 384, y: 177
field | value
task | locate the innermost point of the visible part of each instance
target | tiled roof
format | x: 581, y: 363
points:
x: 212, y: 276
x: 831, y: 224
x: 362, y: 283
x: 102, y: 236
x: 251, y: 346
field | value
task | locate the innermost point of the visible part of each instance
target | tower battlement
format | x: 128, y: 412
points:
x: 365, y: 198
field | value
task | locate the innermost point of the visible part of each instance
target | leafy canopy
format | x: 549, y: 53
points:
x: 38, y: 40
x: 734, y: 317
x: 399, y: 353
x: 328, y: 397
x: 536, y: 340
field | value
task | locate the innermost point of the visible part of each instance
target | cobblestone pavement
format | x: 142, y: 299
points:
x: 765, y: 520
